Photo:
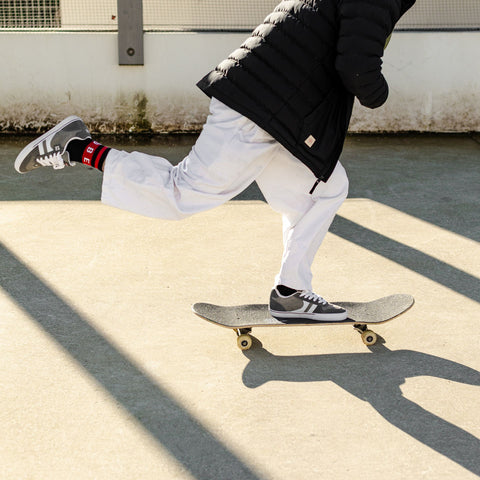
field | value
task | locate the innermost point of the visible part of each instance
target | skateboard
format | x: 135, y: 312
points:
x: 242, y: 318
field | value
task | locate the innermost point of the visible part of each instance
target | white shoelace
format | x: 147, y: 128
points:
x: 54, y: 160
x: 313, y: 297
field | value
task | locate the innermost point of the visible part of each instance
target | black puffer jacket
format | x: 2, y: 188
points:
x: 297, y: 75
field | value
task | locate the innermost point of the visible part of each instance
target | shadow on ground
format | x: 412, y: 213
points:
x: 376, y: 378
x: 164, y: 419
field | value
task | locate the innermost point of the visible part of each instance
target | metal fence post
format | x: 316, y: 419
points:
x: 130, y: 32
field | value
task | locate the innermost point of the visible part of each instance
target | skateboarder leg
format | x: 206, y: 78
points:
x: 219, y: 166
x: 306, y: 220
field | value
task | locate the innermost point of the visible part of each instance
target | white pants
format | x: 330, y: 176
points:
x: 230, y: 153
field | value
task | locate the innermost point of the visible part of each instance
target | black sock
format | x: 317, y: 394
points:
x: 89, y: 152
x: 75, y: 148
x: 285, y: 291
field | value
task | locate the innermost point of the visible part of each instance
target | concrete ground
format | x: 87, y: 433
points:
x: 105, y: 373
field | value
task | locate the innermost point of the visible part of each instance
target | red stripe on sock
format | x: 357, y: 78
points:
x: 89, y: 151
x: 99, y: 156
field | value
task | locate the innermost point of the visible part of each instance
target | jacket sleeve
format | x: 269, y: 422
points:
x: 363, y: 30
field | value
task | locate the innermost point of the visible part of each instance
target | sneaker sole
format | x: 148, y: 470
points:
x: 23, y: 154
x: 310, y: 316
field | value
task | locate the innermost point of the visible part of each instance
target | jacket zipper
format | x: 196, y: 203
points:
x: 315, y: 185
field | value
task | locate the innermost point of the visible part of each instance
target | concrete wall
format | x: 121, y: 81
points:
x: 434, y: 83
x: 434, y: 80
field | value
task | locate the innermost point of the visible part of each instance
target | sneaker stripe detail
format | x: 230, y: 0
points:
x: 310, y: 308
x: 48, y: 144
x: 41, y: 149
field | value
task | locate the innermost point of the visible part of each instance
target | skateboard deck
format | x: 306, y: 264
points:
x: 242, y: 318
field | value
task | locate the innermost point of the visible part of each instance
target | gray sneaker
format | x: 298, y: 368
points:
x: 50, y: 150
x: 304, y: 304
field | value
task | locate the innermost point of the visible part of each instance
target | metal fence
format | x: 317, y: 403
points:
x: 30, y: 14
x: 441, y: 15
x: 206, y: 15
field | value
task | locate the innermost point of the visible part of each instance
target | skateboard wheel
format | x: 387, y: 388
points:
x: 369, y: 337
x: 244, y: 342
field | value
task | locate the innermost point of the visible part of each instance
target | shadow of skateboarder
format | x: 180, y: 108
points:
x: 376, y: 379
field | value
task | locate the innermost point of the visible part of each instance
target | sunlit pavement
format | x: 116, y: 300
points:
x: 107, y: 374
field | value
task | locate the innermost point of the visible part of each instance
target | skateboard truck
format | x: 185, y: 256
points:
x: 244, y: 339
